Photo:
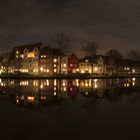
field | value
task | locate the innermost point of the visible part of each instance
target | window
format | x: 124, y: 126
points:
x: 55, y: 60
x: 65, y: 65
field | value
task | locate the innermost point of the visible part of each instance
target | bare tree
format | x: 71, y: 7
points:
x: 90, y: 49
x: 133, y: 55
x: 61, y: 42
x: 114, y: 54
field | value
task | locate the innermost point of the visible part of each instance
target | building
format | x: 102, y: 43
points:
x: 86, y: 65
x: 92, y: 65
x: 4, y: 63
x: 25, y: 59
x: 73, y: 64
x: 52, y: 61
x: 126, y: 66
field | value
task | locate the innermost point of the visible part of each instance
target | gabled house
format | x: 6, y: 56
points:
x: 73, y: 64
x: 25, y: 59
x: 92, y: 65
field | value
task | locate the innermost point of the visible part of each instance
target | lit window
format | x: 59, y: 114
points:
x: 65, y: 65
x: 55, y: 70
x: 71, y: 65
x: 55, y: 93
x: 47, y: 70
x: 82, y: 71
x: 31, y: 55
x: 77, y: 70
x: 55, y: 60
x: 22, y: 56
x: 54, y: 65
x: 133, y: 70
x: 41, y: 69
x: 96, y: 68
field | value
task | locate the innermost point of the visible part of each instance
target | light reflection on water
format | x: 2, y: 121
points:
x: 35, y: 93
x: 70, y: 109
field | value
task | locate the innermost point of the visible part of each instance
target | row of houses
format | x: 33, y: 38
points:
x: 37, y: 59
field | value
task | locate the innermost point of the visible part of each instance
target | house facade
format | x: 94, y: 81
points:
x: 25, y: 59
x: 73, y: 64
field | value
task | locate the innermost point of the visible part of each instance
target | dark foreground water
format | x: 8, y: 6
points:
x: 70, y: 109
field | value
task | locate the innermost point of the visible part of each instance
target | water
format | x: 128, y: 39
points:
x: 70, y: 109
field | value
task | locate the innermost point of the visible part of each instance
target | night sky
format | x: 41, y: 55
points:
x: 110, y: 23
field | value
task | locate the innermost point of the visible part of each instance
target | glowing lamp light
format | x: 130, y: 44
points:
x: 96, y: 69
x: 133, y: 71
x: 65, y: 65
x: 30, y: 99
x: 95, y: 80
x: 55, y: 60
x: 41, y: 69
x: 96, y: 86
x: 48, y: 70
x: 31, y: 55
x: 41, y: 86
x: 77, y: 70
x: 86, y: 84
x: 133, y: 79
x: 54, y: 94
x: 64, y: 89
x: 82, y: 71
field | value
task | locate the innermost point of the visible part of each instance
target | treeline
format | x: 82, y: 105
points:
x: 63, y: 42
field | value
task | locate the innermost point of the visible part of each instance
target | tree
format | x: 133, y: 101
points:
x: 114, y: 54
x: 90, y: 49
x: 61, y: 42
x: 133, y: 55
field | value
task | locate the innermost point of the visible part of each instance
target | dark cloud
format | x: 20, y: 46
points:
x: 111, y: 23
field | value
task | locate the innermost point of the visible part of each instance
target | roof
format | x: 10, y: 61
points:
x: 90, y: 59
x: 51, y: 51
x: 29, y: 47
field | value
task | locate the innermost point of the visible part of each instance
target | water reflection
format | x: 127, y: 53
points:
x: 37, y: 93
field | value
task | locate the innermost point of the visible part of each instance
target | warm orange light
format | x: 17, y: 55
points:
x: 31, y: 99
x: 31, y: 55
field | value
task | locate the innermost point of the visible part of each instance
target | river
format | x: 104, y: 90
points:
x: 70, y: 109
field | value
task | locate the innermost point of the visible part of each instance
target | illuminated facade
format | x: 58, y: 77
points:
x: 36, y: 59
x: 4, y: 63
x: 50, y: 62
x: 73, y: 64
x: 25, y: 59
x: 92, y: 65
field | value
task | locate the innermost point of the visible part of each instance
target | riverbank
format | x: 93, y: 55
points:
x: 66, y: 76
